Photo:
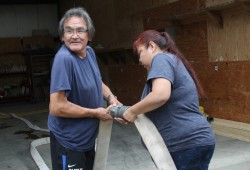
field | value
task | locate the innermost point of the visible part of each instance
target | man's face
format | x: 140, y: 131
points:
x: 76, y: 35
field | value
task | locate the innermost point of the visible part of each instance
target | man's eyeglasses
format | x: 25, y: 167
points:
x: 79, y: 32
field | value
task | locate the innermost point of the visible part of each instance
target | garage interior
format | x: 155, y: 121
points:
x: 214, y: 35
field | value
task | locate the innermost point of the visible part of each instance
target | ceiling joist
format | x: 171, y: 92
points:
x: 212, y: 13
x: 216, y: 18
x: 246, y: 6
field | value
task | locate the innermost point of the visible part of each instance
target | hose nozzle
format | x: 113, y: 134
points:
x: 117, y: 111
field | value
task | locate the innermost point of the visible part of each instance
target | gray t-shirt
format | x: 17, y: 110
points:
x: 179, y: 121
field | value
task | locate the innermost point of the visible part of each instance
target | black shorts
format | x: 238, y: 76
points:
x: 66, y: 159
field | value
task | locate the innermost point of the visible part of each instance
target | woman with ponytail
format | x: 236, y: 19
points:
x: 171, y: 100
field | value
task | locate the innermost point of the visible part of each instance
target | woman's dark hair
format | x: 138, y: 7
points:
x: 165, y: 43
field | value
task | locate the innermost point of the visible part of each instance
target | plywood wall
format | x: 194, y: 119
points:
x: 127, y: 82
x: 219, y: 56
x: 232, y: 42
x: 159, y: 18
x: 210, y: 3
x: 192, y: 41
x: 117, y: 23
x: 226, y: 83
x: 228, y: 90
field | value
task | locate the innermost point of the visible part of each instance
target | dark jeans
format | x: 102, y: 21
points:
x: 66, y: 159
x: 197, y: 158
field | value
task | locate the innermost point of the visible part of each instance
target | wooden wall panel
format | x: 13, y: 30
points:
x: 210, y: 3
x: 127, y: 8
x: 117, y: 23
x: 192, y: 41
x: 157, y: 18
x: 233, y: 41
x: 10, y: 45
x: 103, y: 15
x: 39, y: 42
x: 126, y: 34
x: 123, y: 21
x: 225, y: 83
x: 227, y: 89
x: 127, y: 82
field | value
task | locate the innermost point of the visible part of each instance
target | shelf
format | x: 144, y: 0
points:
x: 39, y: 64
x: 212, y: 12
x: 14, y: 73
x: 41, y: 73
x: 14, y: 98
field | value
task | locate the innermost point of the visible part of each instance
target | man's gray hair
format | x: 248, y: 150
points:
x: 78, y: 12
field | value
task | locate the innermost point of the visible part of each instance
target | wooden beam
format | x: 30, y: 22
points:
x: 246, y: 6
x: 233, y: 129
x: 111, y: 55
x: 134, y: 59
x: 216, y: 18
x: 175, y: 22
x: 103, y: 58
x: 122, y: 58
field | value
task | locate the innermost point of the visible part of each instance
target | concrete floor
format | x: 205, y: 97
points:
x: 126, y: 151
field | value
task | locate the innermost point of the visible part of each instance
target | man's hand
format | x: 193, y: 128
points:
x: 103, y: 113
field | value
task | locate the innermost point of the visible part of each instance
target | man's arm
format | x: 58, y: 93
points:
x: 60, y: 106
x: 109, y: 96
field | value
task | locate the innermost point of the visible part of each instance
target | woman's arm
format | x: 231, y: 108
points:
x: 161, y: 91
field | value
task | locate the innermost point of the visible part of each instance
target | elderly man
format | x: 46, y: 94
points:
x: 76, y: 95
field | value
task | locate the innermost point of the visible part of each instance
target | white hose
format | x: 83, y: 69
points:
x: 42, y: 141
x: 35, y: 154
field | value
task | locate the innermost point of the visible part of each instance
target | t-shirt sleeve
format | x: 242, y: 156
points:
x: 93, y: 58
x: 162, y: 67
x: 60, y: 79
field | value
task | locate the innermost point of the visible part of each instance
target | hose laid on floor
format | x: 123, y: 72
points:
x: 35, y: 154
x: 42, y: 141
x: 34, y: 127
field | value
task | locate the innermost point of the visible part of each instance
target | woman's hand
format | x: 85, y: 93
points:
x: 129, y: 115
x: 121, y: 121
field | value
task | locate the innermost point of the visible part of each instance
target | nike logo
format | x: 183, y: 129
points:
x: 70, y: 166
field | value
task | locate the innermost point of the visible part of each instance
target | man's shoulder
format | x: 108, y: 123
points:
x: 63, y: 51
x: 89, y: 47
x: 90, y: 50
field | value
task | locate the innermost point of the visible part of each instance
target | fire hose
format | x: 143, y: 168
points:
x: 42, y: 141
